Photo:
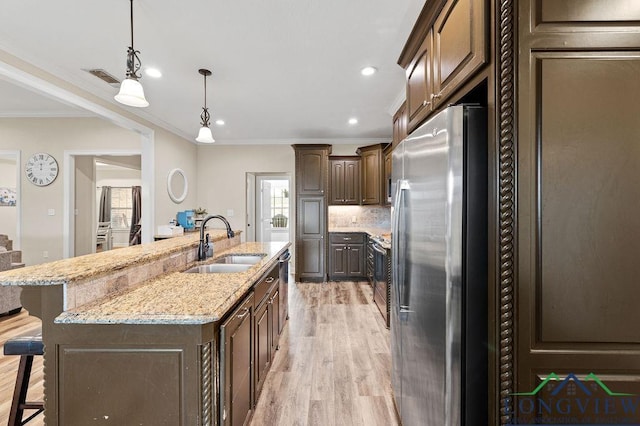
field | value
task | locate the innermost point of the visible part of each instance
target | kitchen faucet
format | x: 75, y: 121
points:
x: 203, y: 247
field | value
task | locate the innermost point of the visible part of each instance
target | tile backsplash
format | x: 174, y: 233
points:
x: 375, y: 216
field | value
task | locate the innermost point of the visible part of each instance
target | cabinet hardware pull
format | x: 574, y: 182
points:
x: 269, y: 280
x: 346, y: 238
x: 243, y: 314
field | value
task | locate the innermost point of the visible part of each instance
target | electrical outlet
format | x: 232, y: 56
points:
x: 354, y: 219
x: 45, y: 254
x: 230, y: 212
x: 51, y: 212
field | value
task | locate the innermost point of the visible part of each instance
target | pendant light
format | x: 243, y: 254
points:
x: 131, y: 92
x: 204, y: 135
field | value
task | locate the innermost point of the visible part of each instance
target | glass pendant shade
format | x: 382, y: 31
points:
x: 204, y: 135
x: 131, y: 94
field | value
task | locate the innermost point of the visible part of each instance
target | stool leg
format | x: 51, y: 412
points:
x: 20, y: 391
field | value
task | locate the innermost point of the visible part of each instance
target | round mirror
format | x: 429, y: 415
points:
x: 177, y: 185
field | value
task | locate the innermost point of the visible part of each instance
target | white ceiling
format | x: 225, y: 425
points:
x: 283, y: 70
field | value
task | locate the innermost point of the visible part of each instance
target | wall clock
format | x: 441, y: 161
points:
x: 41, y: 169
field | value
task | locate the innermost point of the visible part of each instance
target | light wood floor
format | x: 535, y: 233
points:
x: 333, y: 366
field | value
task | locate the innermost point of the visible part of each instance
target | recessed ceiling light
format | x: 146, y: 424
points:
x: 353, y: 121
x: 368, y: 71
x: 220, y: 122
x: 153, y: 72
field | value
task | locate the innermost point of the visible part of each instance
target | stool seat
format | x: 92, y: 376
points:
x: 24, y: 345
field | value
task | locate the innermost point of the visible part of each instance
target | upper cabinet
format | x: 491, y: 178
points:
x: 386, y: 153
x: 420, y: 83
x: 344, y: 180
x: 312, y: 169
x: 372, y: 173
x: 446, y: 48
x: 399, y: 125
x: 459, y: 45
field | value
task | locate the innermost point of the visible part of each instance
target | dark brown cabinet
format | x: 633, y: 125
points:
x: 420, y: 84
x: 346, y: 255
x: 310, y: 240
x: 344, y: 180
x: 265, y: 323
x: 312, y: 173
x: 452, y: 49
x: 399, y: 125
x: 386, y: 181
x: 236, y: 361
x: 372, y: 173
x: 459, y: 45
x: 311, y: 170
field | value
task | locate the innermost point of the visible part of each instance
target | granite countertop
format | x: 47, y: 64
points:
x: 179, y: 298
x: 94, y: 265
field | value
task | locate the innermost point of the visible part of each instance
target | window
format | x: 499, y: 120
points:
x: 279, y: 203
x: 121, y: 208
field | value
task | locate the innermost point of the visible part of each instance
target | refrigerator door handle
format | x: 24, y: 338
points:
x: 398, y: 281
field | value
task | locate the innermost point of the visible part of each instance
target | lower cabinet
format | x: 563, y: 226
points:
x: 236, y: 360
x: 346, y: 255
x: 249, y: 338
x: 266, y: 336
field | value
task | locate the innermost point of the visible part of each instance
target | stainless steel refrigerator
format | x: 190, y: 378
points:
x: 439, y: 271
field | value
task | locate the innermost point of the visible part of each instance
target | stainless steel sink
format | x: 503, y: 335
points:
x: 218, y: 268
x: 242, y: 259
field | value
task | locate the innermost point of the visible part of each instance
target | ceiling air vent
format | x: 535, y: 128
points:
x: 104, y: 76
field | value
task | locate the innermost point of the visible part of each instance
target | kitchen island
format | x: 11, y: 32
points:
x: 131, y: 339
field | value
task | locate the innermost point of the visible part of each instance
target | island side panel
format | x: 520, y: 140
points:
x: 133, y: 374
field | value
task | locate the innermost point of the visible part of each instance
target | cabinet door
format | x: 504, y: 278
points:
x: 371, y: 177
x: 311, y: 171
x: 419, y: 84
x: 355, y: 254
x: 337, y: 169
x: 262, y: 327
x: 387, y: 178
x: 274, y: 307
x: 459, y: 45
x: 310, y: 262
x: 338, y: 260
x: 236, y: 362
x: 352, y: 182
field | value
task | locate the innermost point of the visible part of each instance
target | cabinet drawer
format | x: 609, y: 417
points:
x: 261, y: 289
x: 346, y: 238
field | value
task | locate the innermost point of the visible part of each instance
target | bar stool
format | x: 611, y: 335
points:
x: 27, y: 347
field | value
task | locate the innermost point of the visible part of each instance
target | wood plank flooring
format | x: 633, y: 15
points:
x: 334, y: 362
x: 332, y: 368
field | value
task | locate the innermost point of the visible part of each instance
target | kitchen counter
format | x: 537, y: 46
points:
x: 180, y: 298
x: 130, y: 339
x: 94, y: 265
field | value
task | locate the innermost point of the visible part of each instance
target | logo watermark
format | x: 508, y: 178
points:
x: 570, y: 400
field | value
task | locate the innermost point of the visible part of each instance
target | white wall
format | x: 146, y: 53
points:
x: 174, y: 152
x: 40, y: 231
x: 222, y: 175
x: 84, y: 194
x: 8, y: 215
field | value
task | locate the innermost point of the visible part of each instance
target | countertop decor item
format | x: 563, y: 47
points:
x: 41, y: 169
x: 204, y: 135
x: 131, y: 92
